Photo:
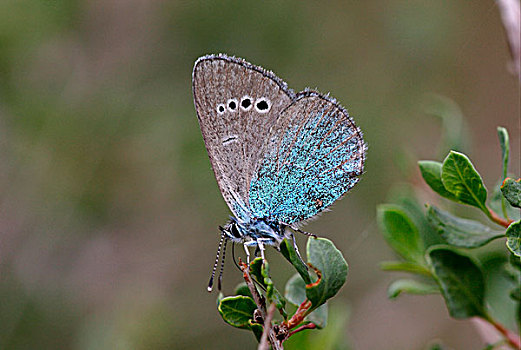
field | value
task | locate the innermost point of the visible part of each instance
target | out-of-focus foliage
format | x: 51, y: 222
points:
x: 109, y: 208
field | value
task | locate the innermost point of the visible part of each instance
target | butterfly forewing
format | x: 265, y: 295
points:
x: 236, y: 105
x: 314, y: 155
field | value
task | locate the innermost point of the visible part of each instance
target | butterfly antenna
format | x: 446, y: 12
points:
x: 210, y: 283
x: 219, y: 280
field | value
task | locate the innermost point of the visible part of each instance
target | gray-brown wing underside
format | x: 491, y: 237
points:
x: 235, y: 139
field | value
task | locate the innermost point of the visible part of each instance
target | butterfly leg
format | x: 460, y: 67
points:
x: 303, y: 232
x: 261, y: 248
x: 247, y: 253
x: 296, y: 248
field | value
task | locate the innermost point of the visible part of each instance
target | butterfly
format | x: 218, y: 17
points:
x: 279, y: 157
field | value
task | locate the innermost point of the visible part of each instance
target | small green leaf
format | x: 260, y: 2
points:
x: 296, y: 294
x: 405, y: 266
x: 461, y: 179
x: 242, y: 289
x: 497, y: 203
x: 256, y: 270
x: 431, y: 173
x: 411, y: 287
x: 461, y: 232
x: 330, y: 263
x: 288, y: 251
x: 260, y: 270
x: 272, y: 294
x: 237, y: 310
x: 461, y: 282
x: 514, y: 238
x: 505, y: 148
x: 257, y: 329
x: 511, y: 190
x: 400, y: 232
x: 404, y: 195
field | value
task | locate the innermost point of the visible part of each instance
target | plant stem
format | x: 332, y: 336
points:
x: 299, y: 315
x: 499, y: 220
x: 261, y: 305
x: 510, y: 337
x: 264, y: 344
x: 301, y: 328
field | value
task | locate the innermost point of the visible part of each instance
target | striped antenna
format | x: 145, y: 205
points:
x: 210, y: 283
x: 219, y: 281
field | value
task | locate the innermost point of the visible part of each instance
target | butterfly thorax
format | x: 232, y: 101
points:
x: 254, y: 230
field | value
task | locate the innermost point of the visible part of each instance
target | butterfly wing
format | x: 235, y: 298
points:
x: 314, y: 155
x: 234, y: 131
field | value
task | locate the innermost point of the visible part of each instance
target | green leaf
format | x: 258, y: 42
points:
x: 404, y: 195
x: 431, y: 173
x: 237, y: 310
x: 461, y: 232
x: 514, y: 238
x: 505, y: 148
x: 461, y: 179
x: 296, y: 294
x: 411, y: 287
x: 257, y: 329
x: 405, y: 266
x: 461, y: 282
x: 498, y: 204
x: 242, y: 289
x: 511, y: 190
x: 400, y: 232
x: 331, y: 266
x: 288, y: 251
x: 260, y: 269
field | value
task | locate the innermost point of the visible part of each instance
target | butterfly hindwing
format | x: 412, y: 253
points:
x: 314, y: 155
x: 236, y: 104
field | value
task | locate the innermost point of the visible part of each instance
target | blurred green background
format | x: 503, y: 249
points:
x: 108, y: 206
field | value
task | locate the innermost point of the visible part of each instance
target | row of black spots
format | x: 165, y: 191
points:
x: 262, y: 105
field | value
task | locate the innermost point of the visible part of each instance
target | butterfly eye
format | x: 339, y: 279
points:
x: 220, y: 109
x: 262, y: 105
x: 232, y: 105
x: 246, y: 103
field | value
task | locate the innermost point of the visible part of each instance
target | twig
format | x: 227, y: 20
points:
x: 510, y: 15
x: 499, y: 220
x: 512, y: 339
x: 257, y: 298
x: 264, y: 344
x: 303, y: 327
x: 299, y: 315
x: 261, y: 306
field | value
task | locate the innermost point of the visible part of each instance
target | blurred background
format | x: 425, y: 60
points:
x: 108, y: 205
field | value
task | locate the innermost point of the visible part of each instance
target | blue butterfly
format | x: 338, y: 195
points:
x: 279, y: 157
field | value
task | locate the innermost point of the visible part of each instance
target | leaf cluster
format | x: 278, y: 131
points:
x: 445, y: 264
x: 303, y: 304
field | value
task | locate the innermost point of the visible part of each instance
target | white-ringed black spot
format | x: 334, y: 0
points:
x: 246, y: 103
x: 262, y: 105
x: 232, y: 105
x: 221, y: 109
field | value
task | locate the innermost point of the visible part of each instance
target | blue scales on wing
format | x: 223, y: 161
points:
x: 314, y: 155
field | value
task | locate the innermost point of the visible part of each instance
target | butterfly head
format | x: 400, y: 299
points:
x: 254, y: 230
